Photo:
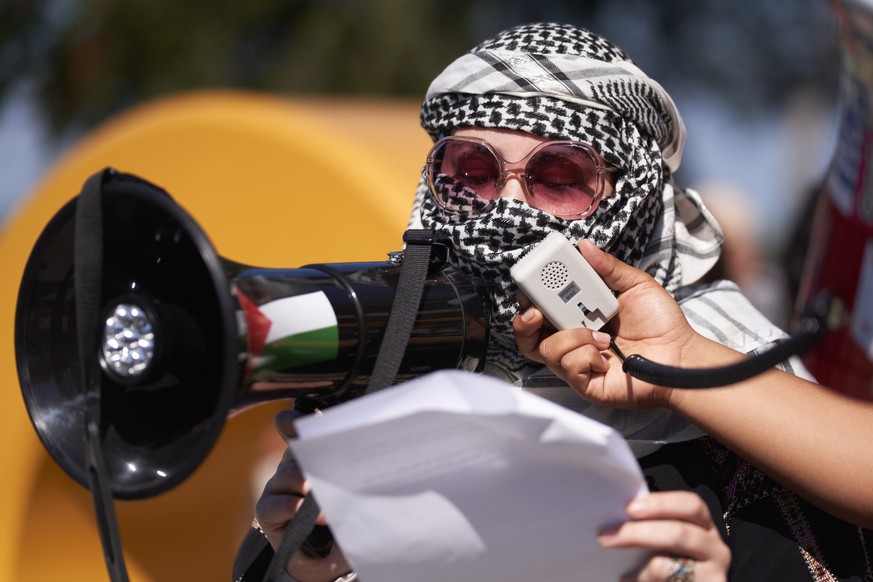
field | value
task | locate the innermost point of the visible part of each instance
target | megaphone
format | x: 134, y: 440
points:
x: 187, y: 338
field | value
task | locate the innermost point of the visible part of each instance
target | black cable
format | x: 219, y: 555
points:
x: 825, y: 314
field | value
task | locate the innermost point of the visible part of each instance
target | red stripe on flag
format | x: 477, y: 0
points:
x: 257, y: 323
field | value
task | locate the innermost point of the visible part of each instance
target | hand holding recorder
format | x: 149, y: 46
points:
x: 645, y: 319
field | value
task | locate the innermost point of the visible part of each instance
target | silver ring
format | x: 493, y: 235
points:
x: 680, y: 570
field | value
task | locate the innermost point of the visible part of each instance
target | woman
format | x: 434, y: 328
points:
x: 511, y: 98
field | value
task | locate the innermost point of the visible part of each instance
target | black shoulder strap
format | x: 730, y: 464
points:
x: 88, y: 284
x: 252, y: 558
x: 407, y: 299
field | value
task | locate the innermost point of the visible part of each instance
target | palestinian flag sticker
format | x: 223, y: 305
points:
x: 290, y: 332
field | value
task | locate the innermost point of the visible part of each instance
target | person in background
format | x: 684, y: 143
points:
x: 744, y: 260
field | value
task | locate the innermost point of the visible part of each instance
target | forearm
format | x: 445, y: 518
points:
x: 807, y: 437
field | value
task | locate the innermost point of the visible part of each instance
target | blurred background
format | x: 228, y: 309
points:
x: 756, y: 83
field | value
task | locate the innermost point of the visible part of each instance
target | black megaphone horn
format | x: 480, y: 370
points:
x: 186, y: 338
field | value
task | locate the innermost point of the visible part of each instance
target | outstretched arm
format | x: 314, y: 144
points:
x: 811, y: 439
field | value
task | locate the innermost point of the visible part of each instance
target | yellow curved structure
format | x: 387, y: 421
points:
x: 274, y: 182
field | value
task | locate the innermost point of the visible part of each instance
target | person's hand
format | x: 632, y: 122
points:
x: 649, y: 322
x: 279, y: 503
x: 678, y: 528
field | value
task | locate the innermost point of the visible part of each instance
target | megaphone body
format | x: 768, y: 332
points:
x: 187, y: 338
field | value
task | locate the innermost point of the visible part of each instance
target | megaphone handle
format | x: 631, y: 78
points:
x: 319, y: 541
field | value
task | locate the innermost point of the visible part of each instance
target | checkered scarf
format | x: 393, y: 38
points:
x: 570, y: 64
x: 563, y: 82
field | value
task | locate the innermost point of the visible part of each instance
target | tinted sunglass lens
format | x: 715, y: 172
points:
x: 464, y: 177
x: 472, y: 164
x: 563, y: 179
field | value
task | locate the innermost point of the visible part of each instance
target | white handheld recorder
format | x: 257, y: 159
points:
x: 558, y: 279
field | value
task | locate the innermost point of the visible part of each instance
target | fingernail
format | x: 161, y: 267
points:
x: 637, y: 506
x: 528, y: 314
x: 601, y: 338
x: 606, y: 537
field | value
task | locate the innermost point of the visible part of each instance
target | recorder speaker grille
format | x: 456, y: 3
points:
x: 554, y: 275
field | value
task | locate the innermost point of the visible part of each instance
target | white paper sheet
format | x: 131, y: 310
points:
x: 461, y: 477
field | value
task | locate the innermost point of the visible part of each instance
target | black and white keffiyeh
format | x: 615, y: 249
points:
x: 563, y: 82
x: 562, y: 62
